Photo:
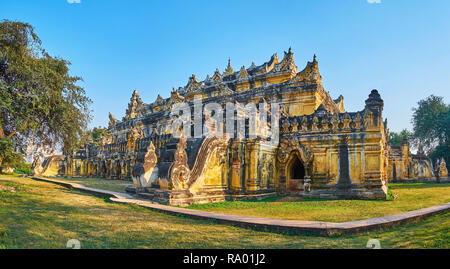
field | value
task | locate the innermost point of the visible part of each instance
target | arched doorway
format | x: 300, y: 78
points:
x: 394, y: 172
x: 296, y: 173
x: 118, y: 170
x: 297, y: 169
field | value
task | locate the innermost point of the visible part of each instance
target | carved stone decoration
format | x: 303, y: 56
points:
x: 286, y: 126
x: 284, y: 110
x: 243, y: 73
x: 179, y: 170
x: 282, y: 152
x: 229, y: 70
x: 309, y: 75
x: 315, y: 124
x: 112, y: 120
x: 223, y: 90
x: 304, y: 124
x: 288, y: 62
x: 335, y: 122
x: 307, y: 155
x: 324, y: 124
x: 144, y: 168
x: 134, y: 134
x: 358, y: 121
x: 294, y: 125
x: 135, y: 104
x: 175, y: 98
x: 346, y: 122
x: 307, y: 184
x: 443, y: 172
x: 192, y: 84
x: 211, y: 145
x: 37, y: 168
x: 217, y: 77
x: 368, y: 119
x: 108, y: 139
x: 287, y: 146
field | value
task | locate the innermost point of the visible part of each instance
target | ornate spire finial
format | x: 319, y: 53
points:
x: 229, y: 69
x: 315, y: 58
x: 134, y: 104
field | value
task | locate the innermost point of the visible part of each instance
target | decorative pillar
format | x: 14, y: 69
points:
x: 252, y: 165
x: 344, y: 172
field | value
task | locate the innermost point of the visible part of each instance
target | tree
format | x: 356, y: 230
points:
x: 93, y: 136
x: 39, y: 101
x: 97, y: 133
x: 9, y: 157
x: 396, y: 139
x: 431, y: 127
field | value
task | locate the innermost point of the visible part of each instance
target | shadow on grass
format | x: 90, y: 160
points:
x: 418, y: 185
x: 279, y: 200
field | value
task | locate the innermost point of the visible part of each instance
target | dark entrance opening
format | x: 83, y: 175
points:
x: 394, y: 172
x: 297, y: 170
x: 118, y: 171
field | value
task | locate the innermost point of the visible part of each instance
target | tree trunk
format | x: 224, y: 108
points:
x: 2, y: 133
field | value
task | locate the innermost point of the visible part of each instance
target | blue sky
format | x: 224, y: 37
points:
x: 400, y: 47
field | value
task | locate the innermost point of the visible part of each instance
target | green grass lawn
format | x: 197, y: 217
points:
x: 35, y: 214
x: 411, y: 197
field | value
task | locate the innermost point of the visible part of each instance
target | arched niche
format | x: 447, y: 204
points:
x: 295, y: 171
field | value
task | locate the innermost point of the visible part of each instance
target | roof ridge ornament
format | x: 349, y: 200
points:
x: 274, y: 59
x: 310, y: 74
x: 217, y: 76
x: 112, y: 120
x: 243, y: 73
x: 288, y: 61
x: 192, y: 84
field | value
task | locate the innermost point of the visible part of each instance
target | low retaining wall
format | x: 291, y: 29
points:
x: 272, y: 225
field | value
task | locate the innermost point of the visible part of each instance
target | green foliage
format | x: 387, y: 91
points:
x: 8, y: 157
x: 441, y: 151
x: 389, y: 195
x: 98, y: 132
x: 39, y: 100
x: 431, y: 127
x: 396, y: 139
x: 93, y: 136
x: 24, y: 169
x: 429, y: 122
